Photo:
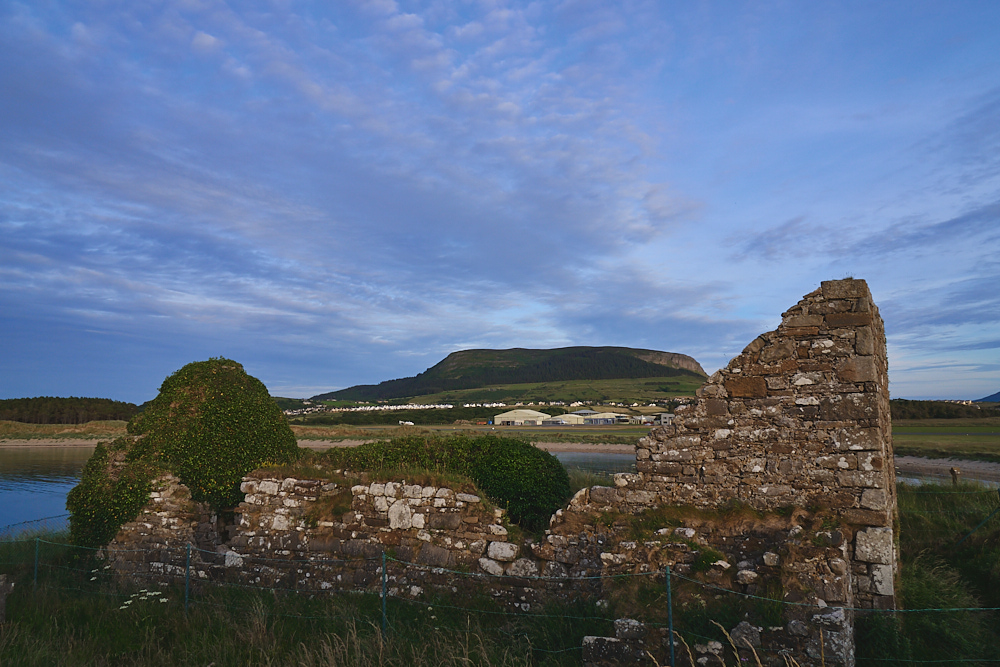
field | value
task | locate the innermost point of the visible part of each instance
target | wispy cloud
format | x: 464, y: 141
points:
x: 346, y: 192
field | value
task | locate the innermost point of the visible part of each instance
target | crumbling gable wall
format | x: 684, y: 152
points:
x: 800, y: 418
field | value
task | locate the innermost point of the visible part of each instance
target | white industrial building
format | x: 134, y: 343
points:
x: 604, y: 418
x: 520, y: 418
x: 564, y: 420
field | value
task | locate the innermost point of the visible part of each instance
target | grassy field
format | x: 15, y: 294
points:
x: 977, y: 439
x: 628, y: 391
x: 98, y: 430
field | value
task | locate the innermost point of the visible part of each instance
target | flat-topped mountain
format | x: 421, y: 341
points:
x: 471, y: 369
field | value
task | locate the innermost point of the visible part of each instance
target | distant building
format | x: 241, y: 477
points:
x: 520, y: 418
x: 585, y: 412
x: 603, y: 418
x: 564, y: 420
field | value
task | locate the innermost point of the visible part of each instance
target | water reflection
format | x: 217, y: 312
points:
x: 597, y: 463
x: 34, y: 481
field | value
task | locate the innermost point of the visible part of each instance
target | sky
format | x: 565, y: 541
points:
x: 336, y: 193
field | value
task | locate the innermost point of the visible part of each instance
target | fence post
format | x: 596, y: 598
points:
x: 36, y: 563
x: 670, y: 618
x: 187, y: 577
x: 384, y: 583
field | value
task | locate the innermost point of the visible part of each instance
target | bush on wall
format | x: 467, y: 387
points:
x: 210, y: 425
x: 529, y: 482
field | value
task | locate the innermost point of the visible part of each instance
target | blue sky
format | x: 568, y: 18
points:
x: 342, y: 193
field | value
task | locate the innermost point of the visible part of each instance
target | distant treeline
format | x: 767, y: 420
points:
x: 72, y: 410
x: 904, y: 409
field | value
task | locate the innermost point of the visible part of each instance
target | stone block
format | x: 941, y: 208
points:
x: 798, y: 332
x: 716, y: 407
x: 848, y: 288
x: 503, y: 551
x: 838, y: 320
x: 746, y: 387
x: 873, y: 499
x: 745, y: 635
x: 433, y: 555
x: 755, y: 345
x: 268, y: 487
x: 628, y: 628
x: 882, y: 579
x: 490, y: 566
x: 864, y: 341
x: 803, y: 321
x: 857, y: 369
x: 400, y: 516
x: 523, y: 567
x: 874, y: 545
x: 641, y: 497
x: 857, y: 478
x: 468, y: 498
x: 848, y: 407
x: 862, y: 517
x: 857, y: 439
x: 604, y: 495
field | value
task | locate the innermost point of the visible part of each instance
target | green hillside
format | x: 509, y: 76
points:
x: 476, y: 369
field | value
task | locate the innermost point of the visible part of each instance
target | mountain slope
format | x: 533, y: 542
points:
x: 992, y: 398
x: 469, y: 369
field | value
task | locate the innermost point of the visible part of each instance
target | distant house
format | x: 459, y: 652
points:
x: 564, y: 420
x: 520, y: 418
x: 643, y: 419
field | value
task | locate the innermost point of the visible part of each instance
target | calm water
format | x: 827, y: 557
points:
x: 599, y: 463
x: 34, y: 481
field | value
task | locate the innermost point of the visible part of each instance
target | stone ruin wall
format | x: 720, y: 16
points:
x: 796, y: 427
x: 800, y: 418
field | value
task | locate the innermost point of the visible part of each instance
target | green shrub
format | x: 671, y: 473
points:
x: 100, y: 503
x: 210, y: 425
x: 530, y: 483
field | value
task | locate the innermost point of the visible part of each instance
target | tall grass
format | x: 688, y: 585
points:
x: 941, y: 571
x: 80, y: 614
x: 75, y: 616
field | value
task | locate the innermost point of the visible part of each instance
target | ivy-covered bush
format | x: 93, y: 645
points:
x: 104, y: 500
x: 529, y: 482
x: 210, y: 425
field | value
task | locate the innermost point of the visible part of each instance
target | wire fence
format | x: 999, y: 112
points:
x: 390, y: 590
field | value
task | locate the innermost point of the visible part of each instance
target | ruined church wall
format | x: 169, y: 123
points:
x: 796, y: 427
x: 799, y: 419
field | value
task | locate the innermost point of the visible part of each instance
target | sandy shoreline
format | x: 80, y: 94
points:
x: 917, y: 465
